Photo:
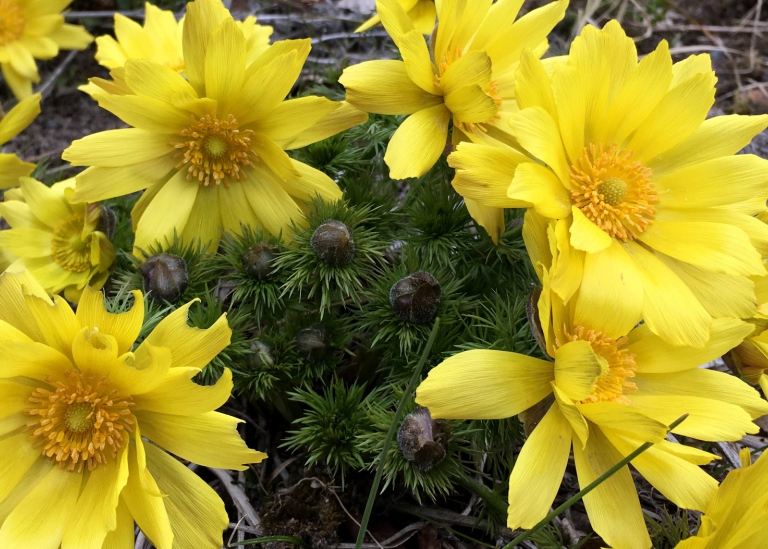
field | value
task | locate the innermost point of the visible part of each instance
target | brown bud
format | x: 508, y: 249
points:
x: 257, y: 260
x: 107, y: 222
x: 423, y: 440
x: 333, y: 243
x: 314, y: 343
x: 416, y: 298
x: 165, y: 277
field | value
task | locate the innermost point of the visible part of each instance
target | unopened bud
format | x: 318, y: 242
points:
x: 257, y: 260
x: 423, y: 440
x: 333, y: 243
x: 107, y: 222
x: 261, y: 356
x: 314, y: 343
x: 416, y: 298
x: 165, y: 276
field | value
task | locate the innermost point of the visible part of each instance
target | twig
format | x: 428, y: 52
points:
x: 395, y: 540
x: 730, y: 454
x: 238, y: 496
x: 46, y: 86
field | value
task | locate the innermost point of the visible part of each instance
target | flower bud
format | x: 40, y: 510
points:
x: 165, y: 276
x: 333, y: 243
x: 314, y: 343
x: 423, y: 440
x: 416, y: 298
x: 261, y: 356
x: 107, y: 222
x: 257, y: 260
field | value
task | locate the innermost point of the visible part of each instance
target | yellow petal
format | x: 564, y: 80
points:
x: 177, y: 394
x: 294, y: 116
x: 570, y: 89
x: 194, y: 509
x: 587, y: 236
x: 538, y: 133
x: 489, y: 218
x: 532, y: 85
x: 623, y: 419
x: 146, y: 113
x: 11, y: 169
x: 613, y: 507
x: 48, y: 204
x: 19, y: 456
x: 567, y: 272
x: 274, y: 207
x: 384, y: 87
x: 93, y: 350
x: 19, y: 117
x: 124, y: 327
x: 203, y: 223
x: 539, y: 186
x: 577, y: 368
x: 26, y: 242
x: 234, y: 210
x: 538, y: 470
x: 311, y: 183
x: 98, y: 183
x: 115, y: 148
x: 202, y: 19
x: 20, y: 85
x: 669, y: 308
x: 653, y: 355
x: 471, y: 104
x: 40, y: 518
x: 57, y: 322
x: 149, y: 78
x: 482, y: 384
x: 418, y: 143
x: 484, y: 173
x: 139, y: 372
x: 611, y: 294
x: 225, y: 60
x: 536, y: 242
x: 571, y: 413
x: 191, y: 347
x: 122, y: 536
x: 210, y: 439
x: 15, y: 309
x: 342, y: 118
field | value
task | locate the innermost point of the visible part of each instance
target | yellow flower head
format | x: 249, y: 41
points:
x: 11, y: 125
x: 159, y: 39
x: 421, y: 12
x: 88, y: 417
x: 609, y: 394
x: 735, y: 518
x: 34, y: 29
x: 61, y: 244
x: 467, y: 75
x: 210, y: 147
x: 657, y: 206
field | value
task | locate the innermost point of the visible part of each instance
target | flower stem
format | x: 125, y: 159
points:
x: 602, y: 478
x: 493, y: 500
x: 391, y: 433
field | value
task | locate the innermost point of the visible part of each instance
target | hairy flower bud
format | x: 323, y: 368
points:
x: 333, y: 243
x: 107, y: 222
x: 416, y: 298
x: 261, y: 356
x: 165, y: 276
x: 423, y: 440
x: 257, y: 260
x: 314, y: 343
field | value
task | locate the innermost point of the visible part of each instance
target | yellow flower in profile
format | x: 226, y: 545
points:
x: 421, y: 12
x: 659, y: 208
x: 61, y: 244
x: 88, y: 417
x: 209, y: 148
x: 159, y: 39
x: 467, y: 76
x: 735, y: 518
x: 34, y: 29
x: 11, y: 125
x: 609, y: 394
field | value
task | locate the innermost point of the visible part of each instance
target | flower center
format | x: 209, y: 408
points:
x: 68, y: 248
x: 613, y: 192
x: 11, y: 21
x: 618, y: 365
x: 81, y: 421
x: 215, y: 151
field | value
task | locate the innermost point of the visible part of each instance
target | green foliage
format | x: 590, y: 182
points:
x: 670, y: 530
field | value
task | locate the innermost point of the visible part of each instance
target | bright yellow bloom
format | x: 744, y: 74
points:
x: 34, y: 29
x: 210, y: 148
x: 159, y: 39
x: 11, y: 125
x: 735, y: 518
x: 59, y: 243
x: 468, y: 76
x: 659, y: 209
x: 610, y: 394
x: 421, y: 12
x: 87, y: 418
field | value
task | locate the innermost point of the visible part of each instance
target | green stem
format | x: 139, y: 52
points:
x: 491, y: 498
x: 602, y: 478
x: 270, y: 539
x: 391, y: 433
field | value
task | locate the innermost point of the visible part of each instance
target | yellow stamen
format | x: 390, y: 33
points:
x: 215, y: 150
x: 613, y: 191
x: 81, y: 421
x: 617, y: 363
x: 11, y: 21
x: 68, y: 248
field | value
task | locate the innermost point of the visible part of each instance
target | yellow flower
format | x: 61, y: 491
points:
x: 87, y: 419
x: 609, y: 394
x: 159, y: 39
x: 468, y: 76
x: 209, y: 148
x: 735, y: 518
x: 58, y: 242
x: 659, y: 209
x: 421, y: 12
x: 34, y: 29
x: 11, y: 125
